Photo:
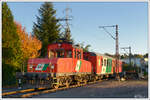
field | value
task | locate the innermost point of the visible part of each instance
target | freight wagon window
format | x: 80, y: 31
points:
x: 104, y: 62
x: 108, y: 63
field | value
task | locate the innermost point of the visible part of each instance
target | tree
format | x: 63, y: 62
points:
x: 11, y: 52
x: 30, y: 45
x: 35, y: 46
x: 67, y: 35
x: 46, y: 29
x: 138, y: 55
x: 145, y: 55
x: 85, y: 48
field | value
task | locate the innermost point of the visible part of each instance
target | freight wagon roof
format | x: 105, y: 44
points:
x: 99, y: 54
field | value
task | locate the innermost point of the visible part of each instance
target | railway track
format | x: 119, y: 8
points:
x: 30, y: 92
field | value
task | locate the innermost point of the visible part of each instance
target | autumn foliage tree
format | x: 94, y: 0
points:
x: 30, y: 45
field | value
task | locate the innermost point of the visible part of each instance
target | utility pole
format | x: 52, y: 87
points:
x: 117, y: 45
x: 66, y: 19
x: 117, y: 50
x: 129, y: 53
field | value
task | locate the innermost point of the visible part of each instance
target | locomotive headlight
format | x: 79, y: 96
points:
x: 30, y: 66
x: 52, y: 66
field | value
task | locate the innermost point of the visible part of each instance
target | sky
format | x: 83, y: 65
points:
x: 131, y: 18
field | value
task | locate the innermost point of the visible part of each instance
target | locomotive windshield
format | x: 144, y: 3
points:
x: 60, y: 53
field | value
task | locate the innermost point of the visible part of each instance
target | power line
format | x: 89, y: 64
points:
x: 109, y: 33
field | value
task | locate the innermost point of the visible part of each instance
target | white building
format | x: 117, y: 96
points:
x: 139, y: 62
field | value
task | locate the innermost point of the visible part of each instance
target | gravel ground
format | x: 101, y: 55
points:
x: 105, y: 89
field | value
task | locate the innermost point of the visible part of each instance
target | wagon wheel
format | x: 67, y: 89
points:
x: 78, y: 83
x: 94, y: 79
x: 85, y: 81
x: 61, y: 81
x: 67, y: 83
x: 56, y: 86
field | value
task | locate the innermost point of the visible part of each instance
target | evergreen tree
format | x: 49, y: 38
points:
x: 67, y: 35
x: 46, y: 29
x: 11, y: 52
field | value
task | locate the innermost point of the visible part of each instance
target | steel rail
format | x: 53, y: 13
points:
x: 54, y: 90
x: 20, y: 91
x: 44, y: 90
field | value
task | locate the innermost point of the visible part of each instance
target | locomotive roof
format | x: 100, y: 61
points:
x: 68, y: 43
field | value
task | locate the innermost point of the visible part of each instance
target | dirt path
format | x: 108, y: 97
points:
x: 105, y: 89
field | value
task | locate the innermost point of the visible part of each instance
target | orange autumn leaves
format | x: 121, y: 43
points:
x: 30, y: 45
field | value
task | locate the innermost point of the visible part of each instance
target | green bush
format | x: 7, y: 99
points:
x: 127, y: 67
x: 8, y: 75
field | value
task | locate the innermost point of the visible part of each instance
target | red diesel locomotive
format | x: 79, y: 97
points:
x: 67, y: 64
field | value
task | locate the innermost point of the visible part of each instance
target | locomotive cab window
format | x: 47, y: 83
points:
x: 60, y: 53
x: 78, y: 55
x: 69, y: 53
x: 50, y: 54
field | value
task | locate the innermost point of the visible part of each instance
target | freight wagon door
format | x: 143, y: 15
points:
x: 109, y: 65
x: 104, y: 66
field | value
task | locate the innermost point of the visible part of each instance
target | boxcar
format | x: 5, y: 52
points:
x: 102, y: 65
